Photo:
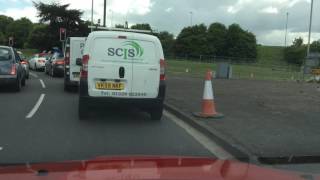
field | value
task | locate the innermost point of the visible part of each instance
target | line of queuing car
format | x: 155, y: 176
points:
x: 110, y: 68
x: 13, y: 72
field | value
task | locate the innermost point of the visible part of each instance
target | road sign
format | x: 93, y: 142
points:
x: 63, y: 34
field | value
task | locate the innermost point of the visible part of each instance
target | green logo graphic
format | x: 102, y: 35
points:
x: 131, y: 49
x: 139, y: 50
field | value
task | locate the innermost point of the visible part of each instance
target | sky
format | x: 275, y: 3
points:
x: 265, y: 18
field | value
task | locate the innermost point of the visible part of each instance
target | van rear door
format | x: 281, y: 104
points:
x: 146, y: 69
x: 110, y: 68
x: 76, y: 49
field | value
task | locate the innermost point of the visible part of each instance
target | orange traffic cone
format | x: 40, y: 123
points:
x: 208, y: 104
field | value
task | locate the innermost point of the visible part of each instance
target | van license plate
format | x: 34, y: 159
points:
x: 109, y: 86
x: 76, y: 75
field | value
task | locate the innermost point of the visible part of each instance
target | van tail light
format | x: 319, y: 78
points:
x: 67, y: 59
x: 162, y: 70
x: 13, y: 70
x: 84, y: 69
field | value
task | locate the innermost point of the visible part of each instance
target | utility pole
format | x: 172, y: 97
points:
x: 285, y: 37
x: 191, y: 18
x: 111, y: 12
x: 310, y: 26
x: 104, y: 13
x: 92, y: 15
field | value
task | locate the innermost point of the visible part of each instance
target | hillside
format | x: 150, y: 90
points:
x: 271, y: 55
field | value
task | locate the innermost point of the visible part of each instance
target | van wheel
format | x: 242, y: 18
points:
x: 23, y: 82
x: 67, y: 88
x: 18, y: 85
x: 156, y: 113
x: 82, y: 110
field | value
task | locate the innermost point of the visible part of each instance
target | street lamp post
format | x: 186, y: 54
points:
x: 104, y: 13
x: 286, y: 31
x: 111, y: 12
x: 191, y: 17
x: 92, y: 15
x: 310, y: 26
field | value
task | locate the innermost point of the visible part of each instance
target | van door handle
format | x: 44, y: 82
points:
x: 121, y: 72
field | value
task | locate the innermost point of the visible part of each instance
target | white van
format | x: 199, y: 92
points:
x: 73, y: 51
x: 122, y: 68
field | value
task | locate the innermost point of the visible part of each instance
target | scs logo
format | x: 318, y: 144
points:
x: 130, y: 49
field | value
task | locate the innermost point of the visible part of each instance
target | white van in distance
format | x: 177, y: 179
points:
x: 122, y: 68
x: 73, y: 51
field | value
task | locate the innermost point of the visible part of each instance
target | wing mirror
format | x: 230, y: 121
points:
x: 79, y: 61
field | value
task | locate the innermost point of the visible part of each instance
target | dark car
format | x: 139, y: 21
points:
x: 55, y: 65
x: 12, y: 72
x: 25, y: 63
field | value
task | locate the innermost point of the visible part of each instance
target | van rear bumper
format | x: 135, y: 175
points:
x: 141, y: 103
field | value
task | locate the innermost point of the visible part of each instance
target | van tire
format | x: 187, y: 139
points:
x: 156, y: 113
x: 23, y: 82
x: 18, y: 85
x: 82, y: 110
x: 67, y: 88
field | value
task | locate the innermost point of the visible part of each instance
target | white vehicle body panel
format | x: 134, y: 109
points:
x: 138, y: 54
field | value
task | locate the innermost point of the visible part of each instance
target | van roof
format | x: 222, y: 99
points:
x: 141, y: 36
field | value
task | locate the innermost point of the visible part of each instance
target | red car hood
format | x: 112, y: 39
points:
x: 104, y: 168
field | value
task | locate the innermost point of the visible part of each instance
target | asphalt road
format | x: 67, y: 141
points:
x: 54, y: 132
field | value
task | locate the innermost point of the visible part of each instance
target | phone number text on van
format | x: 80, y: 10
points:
x: 124, y: 94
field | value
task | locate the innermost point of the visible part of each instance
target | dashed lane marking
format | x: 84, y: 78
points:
x: 42, y: 83
x: 36, y: 107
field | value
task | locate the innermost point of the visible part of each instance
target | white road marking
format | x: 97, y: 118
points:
x: 42, y: 83
x: 33, y: 75
x: 206, y: 142
x: 36, y: 107
x: 1, y: 148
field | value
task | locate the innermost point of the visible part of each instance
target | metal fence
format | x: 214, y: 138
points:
x: 242, y: 68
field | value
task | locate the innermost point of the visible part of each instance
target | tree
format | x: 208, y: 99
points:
x: 192, y: 41
x: 2, y: 39
x: 119, y: 26
x: 145, y: 26
x: 59, y: 16
x: 240, y: 43
x: 167, y: 41
x: 298, y: 42
x: 39, y: 36
x: 315, y: 46
x: 295, y: 53
x: 4, y: 22
x: 217, y: 35
x: 19, y: 30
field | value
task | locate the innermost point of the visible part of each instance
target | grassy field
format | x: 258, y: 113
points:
x: 240, y: 71
x: 271, y: 55
x: 270, y: 66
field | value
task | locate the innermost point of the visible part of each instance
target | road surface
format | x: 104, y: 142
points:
x: 40, y: 124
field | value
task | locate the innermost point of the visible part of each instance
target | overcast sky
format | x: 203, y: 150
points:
x: 265, y: 18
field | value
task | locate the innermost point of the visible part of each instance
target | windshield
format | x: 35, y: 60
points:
x: 233, y: 80
x: 4, y: 54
